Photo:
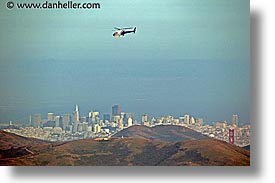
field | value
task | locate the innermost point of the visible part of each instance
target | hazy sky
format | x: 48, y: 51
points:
x: 186, y: 57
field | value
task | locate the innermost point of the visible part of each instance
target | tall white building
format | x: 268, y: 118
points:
x: 50, y: 116
x: 75, y: 118
x: 192, y: 121
x: 130, y: 122
x: 145, y: 118
x: 97, y: 128
x: 120, y: 124
x: 186, y: 119
x: 37, y: 120
x: 76, y: 114
x: 66, y: 120
x: 93, y: 116
x: 58, y: 121
x: 235, y: 120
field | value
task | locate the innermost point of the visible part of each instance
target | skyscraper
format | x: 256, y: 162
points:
x: 116, y: 110
x: 75, y: 118
x: 50, y: 116
x: 37, y: 120
x: 186, y: 119
x: 144, y: 118
x: 76, y: 114
x: 66, y: 120
x: 126, y: 116
x: 58, y: 121
x: 130, y: 122
x: 192, y: 121
x: 235, y: 120
x: 96, y: 128
x: 30, y: 120
x: 93, y: 116
x: 120, y: 124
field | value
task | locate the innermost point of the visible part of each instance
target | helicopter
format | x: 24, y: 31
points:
x: 120, y: 32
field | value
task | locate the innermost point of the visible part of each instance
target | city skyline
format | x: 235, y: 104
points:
x: 68, y: 127
x: 76, y: 115
x: 186, y: 57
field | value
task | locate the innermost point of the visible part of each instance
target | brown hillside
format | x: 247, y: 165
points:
x: 10, y: 140
x: 13, y: 146
x: 127, y: 151
x: 167, y: 133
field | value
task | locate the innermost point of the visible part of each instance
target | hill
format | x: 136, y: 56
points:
x: 126, y: 151
x: 166, y: 133
x: 10, y: 140
x: 12, y: 145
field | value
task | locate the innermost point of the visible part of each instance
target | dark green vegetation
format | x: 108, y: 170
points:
x: 166, y: 133
x: 16, y: 150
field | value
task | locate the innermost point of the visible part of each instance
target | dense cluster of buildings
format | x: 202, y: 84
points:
x: 74, y: 123
x: 73, y: 126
